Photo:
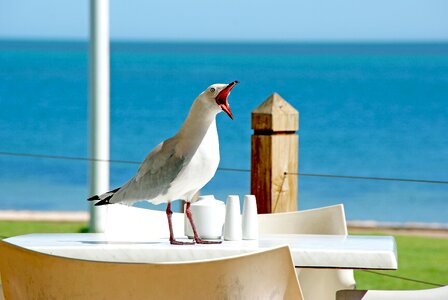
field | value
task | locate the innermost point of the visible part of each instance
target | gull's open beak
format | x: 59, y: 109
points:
x: 221, y: 99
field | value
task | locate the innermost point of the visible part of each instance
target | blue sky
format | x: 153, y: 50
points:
x: 281, y: 20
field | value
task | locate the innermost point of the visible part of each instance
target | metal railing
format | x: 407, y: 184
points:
x: 224, y: 169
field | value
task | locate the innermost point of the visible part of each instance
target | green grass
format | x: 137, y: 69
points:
x: 419, y: 258
x: 12, y: 228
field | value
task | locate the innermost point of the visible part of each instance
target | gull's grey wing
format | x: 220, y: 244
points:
x: 155, y: 175
x: 159, y: 158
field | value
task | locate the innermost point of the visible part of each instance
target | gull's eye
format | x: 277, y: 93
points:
x: 212, y: 90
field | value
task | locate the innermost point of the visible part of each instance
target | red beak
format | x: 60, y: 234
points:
x: 221, y: 99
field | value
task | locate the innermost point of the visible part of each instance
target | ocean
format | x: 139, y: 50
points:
x: 375, y: 110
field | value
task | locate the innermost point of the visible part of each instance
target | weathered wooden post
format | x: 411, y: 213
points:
x: 275, y: 152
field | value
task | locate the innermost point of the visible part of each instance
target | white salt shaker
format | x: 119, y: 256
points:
x: 250, y: 218
x: 232, y: 225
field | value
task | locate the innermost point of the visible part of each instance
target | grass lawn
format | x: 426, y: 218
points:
x: 419, y: 258
x: 12, y: 228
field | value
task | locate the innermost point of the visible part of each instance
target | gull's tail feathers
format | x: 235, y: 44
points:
x: 104, y: 198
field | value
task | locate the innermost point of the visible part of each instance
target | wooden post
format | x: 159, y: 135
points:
x: 275, y: 151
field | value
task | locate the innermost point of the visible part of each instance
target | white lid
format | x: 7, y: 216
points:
x: 207, y: 200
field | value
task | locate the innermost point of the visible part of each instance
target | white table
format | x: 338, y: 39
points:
x: 308, y: 251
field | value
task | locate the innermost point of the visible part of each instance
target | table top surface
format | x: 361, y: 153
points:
x: 308, y: 251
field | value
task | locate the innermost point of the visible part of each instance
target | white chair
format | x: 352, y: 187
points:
x: 320, y: 284
x: 428, y: 294
x: 29, y: 274
x: 128, y: 223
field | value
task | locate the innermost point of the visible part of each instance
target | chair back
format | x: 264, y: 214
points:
x: 29, y: 274
x: 127, y: 223
x: 325, y: 220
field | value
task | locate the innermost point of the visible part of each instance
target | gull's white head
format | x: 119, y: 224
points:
x: 216, y: 95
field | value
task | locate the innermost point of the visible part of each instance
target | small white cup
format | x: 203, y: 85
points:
x: 250, y: 218
x: 208, y: 216
x: 232, y: 225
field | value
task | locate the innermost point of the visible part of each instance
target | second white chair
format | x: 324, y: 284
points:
x: 321, y: 284
x: 439, y: 293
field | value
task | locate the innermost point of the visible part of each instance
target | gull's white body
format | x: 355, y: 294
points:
x: 201, y: 168
x: 180, y: 166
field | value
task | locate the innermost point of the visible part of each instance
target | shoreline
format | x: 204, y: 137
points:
x: 414, y: 228
x: 438, y: 230
x: 35, y: 215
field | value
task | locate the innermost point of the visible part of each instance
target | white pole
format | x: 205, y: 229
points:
x: 99, y: 108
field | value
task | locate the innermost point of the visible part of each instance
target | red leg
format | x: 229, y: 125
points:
x: 197, y: 239
x: 173, y: 241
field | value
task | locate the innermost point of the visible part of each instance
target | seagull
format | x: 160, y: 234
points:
x: 177, y: 168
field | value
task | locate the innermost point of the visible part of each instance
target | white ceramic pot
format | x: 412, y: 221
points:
x: 208, y: 216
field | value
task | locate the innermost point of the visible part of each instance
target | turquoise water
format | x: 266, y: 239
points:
x: 366, y: 110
